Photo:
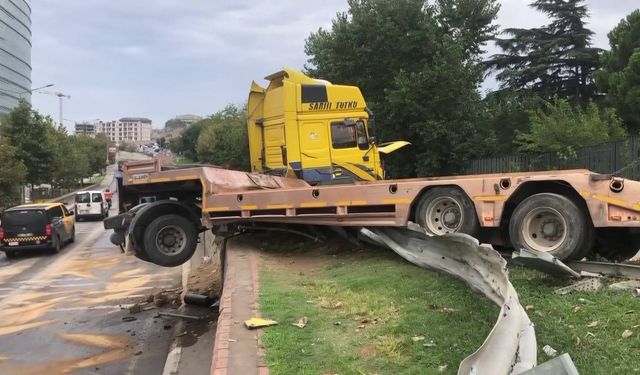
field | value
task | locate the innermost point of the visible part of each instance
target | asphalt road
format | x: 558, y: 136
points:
x: 62, y: 313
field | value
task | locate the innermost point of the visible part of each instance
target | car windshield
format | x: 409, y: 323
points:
x: 83, y: 198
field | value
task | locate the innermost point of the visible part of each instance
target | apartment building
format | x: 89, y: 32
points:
x: 127, y: 129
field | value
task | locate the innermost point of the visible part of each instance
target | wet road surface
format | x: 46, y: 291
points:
x: 61, y: 313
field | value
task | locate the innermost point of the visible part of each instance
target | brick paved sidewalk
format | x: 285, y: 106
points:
x: 237, y: 349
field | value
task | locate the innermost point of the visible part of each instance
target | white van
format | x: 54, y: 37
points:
x: 91, y: 204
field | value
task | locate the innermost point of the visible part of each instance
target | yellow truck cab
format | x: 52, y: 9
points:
x: 313, y: 130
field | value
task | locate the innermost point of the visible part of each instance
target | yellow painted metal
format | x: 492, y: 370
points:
x: 392, y: 146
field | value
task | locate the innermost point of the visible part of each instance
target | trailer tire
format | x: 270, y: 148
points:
x: 551, y: 223
x: 170, y: 240
x: 445, y: 209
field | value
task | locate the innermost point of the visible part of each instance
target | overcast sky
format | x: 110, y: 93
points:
x: 163, y: 58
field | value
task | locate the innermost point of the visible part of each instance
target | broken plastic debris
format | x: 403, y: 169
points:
x: 593, y: 324
x: 548, y: 350
x: 301, y: 323
x: 442, y: 368
x: 588, y: 285
x: 259, y: 323
x: 429, y: 344
x: 627, y: 333
x: 417, y: 338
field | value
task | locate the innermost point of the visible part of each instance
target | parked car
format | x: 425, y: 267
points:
x: 91, y: 204
x: 36, y: 226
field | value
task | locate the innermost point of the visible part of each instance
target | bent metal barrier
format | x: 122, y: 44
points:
x: 510, y: 348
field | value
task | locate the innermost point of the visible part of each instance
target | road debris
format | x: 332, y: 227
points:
x: 182, y: 316
x: 625, y: 285
x: 301, y: 323
x: 129, y: 318
x: 135, y: 308
x: 627, y: 333
x: 259, y: 323
x: 543, y: 262
x: 417, y: 338
x: 199, y: 299
x: 429, y: 344
x: 511, y: 345
x: 548, y: 350
x: 587, y: 285
x: 593, y: 324
x: 561, y: 365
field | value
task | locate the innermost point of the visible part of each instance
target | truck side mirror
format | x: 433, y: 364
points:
x: 372, y: 139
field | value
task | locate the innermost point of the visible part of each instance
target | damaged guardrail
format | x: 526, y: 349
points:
x: 510, y: 347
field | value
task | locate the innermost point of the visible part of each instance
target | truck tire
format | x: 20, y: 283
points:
x: 553, y: 224
x: 443, y: 210
x: 170, y: 240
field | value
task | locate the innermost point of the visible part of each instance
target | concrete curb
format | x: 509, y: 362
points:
x: 221, y: 348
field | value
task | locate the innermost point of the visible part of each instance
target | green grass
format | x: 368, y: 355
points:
x: 383, y: 301
x: 182, y: 160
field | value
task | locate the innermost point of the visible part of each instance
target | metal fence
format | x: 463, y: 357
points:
x: 610, y: 157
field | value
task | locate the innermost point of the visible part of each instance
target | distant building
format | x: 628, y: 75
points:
x: 86, y: 128
x: 15, y: 53
x: 127, y: 129
x: 181, y: 121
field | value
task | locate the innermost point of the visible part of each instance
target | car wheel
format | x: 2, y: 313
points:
x: 170, y: 240
x: 553, y: 224
x: 443, y: 210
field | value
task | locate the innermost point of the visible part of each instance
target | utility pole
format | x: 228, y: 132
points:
x: 60, y: 97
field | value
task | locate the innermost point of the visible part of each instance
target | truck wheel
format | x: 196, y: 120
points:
x: 553, y: 224
x: 170, y: 240
x: 443, y: 210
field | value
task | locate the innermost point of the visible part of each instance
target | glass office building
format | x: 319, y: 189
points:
x: 15, y: 53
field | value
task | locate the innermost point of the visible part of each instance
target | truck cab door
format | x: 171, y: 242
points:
x: 352, y: 156
x: 315, y: 152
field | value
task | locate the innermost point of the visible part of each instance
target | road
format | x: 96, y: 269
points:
x: 61, y: 313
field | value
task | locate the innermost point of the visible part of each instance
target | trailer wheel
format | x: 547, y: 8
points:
x: 553, y: 224
x: 443, y: 210
x: 170, y: 240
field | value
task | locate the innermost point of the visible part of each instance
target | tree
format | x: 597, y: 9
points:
x: 562, y: 128
x: 70, y: 158
x: 620, y: 74
x: 186, y: 143
x: 28, y: 131
x: 408, y: 57
x: 12, y: 176
x: 223, y: 141
x: 553, y: 60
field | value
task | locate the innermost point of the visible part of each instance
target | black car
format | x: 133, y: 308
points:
x: 36, y: 226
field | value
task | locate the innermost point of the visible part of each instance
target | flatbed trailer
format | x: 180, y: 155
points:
x: 561, y: 212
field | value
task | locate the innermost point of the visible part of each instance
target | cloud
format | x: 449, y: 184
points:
x: 165, y: 57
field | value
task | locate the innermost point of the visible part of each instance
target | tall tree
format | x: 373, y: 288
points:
x: 620, y: 74
x: 28, y: 131
x: 553, y: 60
x: 408, y: 57
x: 12, y: 176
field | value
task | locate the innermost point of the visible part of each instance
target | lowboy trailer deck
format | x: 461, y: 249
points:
x: 561, y: 212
